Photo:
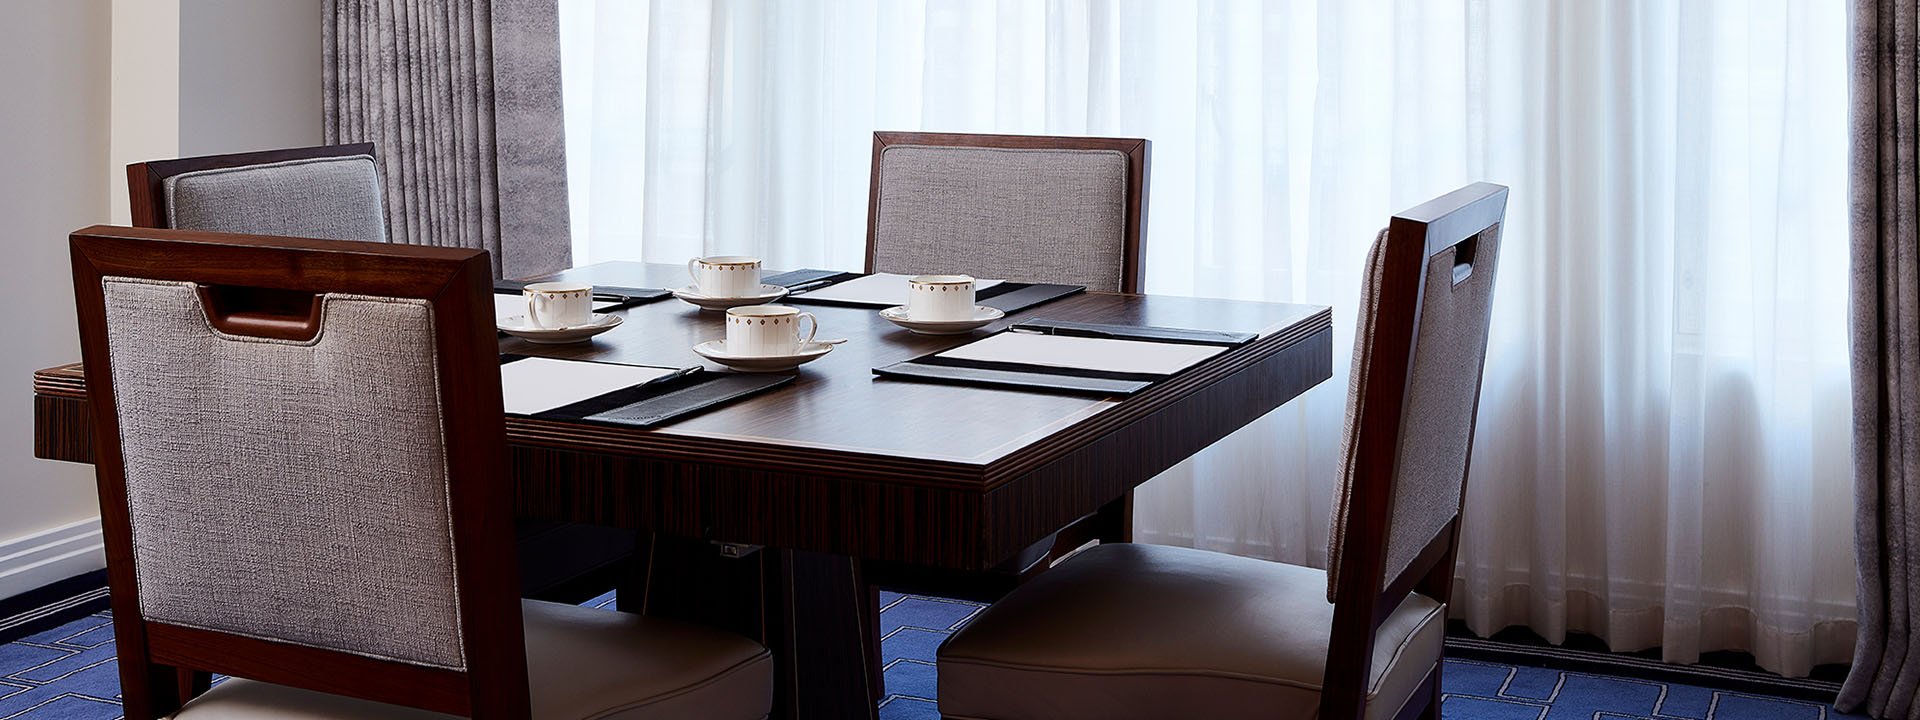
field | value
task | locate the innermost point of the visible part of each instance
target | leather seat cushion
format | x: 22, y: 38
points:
x: 1146, y: 631
x: 582, y: 663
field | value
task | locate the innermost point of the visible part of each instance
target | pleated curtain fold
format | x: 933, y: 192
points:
x: 1886, y: 357
x: 1662, y: 457
x: 462, y: 101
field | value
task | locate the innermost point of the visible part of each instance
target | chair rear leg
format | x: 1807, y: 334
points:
x: 1425, y: 701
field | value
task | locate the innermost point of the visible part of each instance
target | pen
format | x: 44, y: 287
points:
x: 1081, y: 332
x: 675, y: 375
x: 1063, y: 331
x: 805, y: 286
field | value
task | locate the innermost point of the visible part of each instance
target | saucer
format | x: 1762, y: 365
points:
x: 716, y: 350
x: 982, y: 315
x: 767, y: 294
x: 517, y: 326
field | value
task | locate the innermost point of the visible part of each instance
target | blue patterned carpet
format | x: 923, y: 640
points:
x: 69, y: 672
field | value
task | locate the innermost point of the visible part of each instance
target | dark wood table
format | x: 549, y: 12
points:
x: 841, y: 467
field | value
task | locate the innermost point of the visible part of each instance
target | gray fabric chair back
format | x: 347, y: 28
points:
x: 977, y: 205
x: 330, y: 198
x: 294, y: 491
x: 1441, y: 389
x: 301, y: 459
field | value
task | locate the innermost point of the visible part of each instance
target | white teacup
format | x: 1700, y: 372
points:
x: 940, y: 298
x: 725, y: 276
x: 761, y: 330
x: 555, y: 305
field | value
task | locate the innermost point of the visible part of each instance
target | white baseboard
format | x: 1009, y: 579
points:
x: 46, y: 557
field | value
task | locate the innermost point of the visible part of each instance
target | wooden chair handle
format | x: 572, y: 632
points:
x: 262, y: 312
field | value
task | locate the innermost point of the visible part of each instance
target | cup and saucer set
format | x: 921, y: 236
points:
x: 727, y: 281
x: 558, y: 313
x: 767, y: 338
x: 760, y: 337
x: 941, y: 305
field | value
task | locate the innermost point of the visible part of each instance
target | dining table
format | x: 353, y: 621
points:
x: 764, y: 515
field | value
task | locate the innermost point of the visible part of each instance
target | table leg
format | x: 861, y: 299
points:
x: 810, y: 609
x: 631, y: 591
x: 1114, y: 520
x: 820, y: 630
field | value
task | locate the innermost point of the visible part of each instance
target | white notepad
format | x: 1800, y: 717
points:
x: 536, y: 384
x: 1103, y: 354
x: 878, y: 290
x: 506, y: 306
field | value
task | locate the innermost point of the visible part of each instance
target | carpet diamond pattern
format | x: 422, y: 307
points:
x: 69, y: 673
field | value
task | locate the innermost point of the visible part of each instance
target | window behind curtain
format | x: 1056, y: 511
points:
x: 1662, y: 455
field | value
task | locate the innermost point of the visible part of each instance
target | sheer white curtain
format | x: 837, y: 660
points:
x: 1662, y: 452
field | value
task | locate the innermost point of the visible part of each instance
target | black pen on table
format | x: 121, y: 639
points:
x: 1062, y: 331
x: 672, y: 376
x: 805, y: 286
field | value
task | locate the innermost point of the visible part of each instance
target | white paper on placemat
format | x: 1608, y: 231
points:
x: 537, y: 384
x: 506, y: 306
x: 883, y: 290
x: 1103, y: 354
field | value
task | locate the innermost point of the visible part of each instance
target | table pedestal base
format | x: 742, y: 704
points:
x: 811, y: 609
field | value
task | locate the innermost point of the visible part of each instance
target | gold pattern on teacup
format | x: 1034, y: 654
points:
x: 936, y: 298
x: 554, y: 305
x: 767, y: 330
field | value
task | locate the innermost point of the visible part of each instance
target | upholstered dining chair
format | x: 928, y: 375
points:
x: 1142, y: 631
x: 334, y: 192
x: 1068, y: 210
x: 1031, y: 208
x: 1028, y: 208
x: 301, y: 472
x: 330, y: 192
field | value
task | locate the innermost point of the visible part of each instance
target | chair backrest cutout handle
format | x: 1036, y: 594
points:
x: 1463, y: 258
x: 262, y: 312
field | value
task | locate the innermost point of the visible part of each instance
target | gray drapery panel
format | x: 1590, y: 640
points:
x: 1886, y: 357
x: 462, y: 101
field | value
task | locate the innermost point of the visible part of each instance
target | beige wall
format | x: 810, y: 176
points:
x: 249, y: 75
x: 144, y: 94
x: 53, y: 134
x: 246, y: 77
x: 91, y: 85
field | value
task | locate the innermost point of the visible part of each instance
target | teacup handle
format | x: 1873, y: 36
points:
x: 536, y: 304
x: 694, y: 274
x: 813, y: 327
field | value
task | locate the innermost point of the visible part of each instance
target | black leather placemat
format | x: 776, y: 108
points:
x: 1149, y: 333
x: 1023, y: 380
x: 934, y: 368
x: 796, y: 278
x: 662, y: 399
x: 1009, y: 297
x: 1020, y: 296
x: 677, y: 402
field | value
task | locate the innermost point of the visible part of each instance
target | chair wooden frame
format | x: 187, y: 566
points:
x: 164, y: 665
x: 146, y: 180
x: 1139, y: 154
x: 1364, y: 597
